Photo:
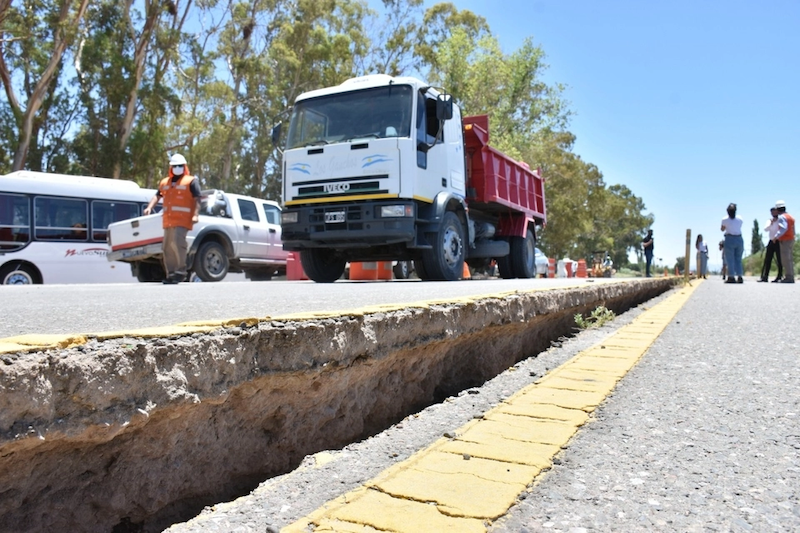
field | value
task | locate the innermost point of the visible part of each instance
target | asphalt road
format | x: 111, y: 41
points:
x: 702, y: 435
x: 93, y: 308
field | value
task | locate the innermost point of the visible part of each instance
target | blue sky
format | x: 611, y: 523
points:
x: 691, y: 104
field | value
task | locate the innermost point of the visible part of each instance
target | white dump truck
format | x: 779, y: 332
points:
x: 382, y: 168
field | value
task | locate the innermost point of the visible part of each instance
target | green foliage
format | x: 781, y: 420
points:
x: 756, y: 244
x: 141, y: 86
x: 595, y: 319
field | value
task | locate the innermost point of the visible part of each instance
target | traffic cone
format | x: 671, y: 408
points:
x: 466, y: 274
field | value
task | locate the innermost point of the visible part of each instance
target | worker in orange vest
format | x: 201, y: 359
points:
x: 785, y: 238
x: 180, y: 192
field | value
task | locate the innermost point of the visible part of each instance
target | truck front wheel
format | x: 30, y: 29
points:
x: 321, y: 265
x: 211, y: 262
x: 445, y: 260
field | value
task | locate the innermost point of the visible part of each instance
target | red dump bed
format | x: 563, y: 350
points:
x: 497, y: 183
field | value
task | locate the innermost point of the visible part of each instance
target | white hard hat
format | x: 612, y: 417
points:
x: 779, y: 204
x: 177, y: 159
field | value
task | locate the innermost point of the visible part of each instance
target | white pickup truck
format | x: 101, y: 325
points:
x: 234, y: 234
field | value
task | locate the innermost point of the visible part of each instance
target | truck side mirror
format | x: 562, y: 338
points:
x: 444, y: 107
x: 276, y: 133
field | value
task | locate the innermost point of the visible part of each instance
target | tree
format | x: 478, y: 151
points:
x: 756, y: 244
x: 392, y: 43
x: 33, y: 40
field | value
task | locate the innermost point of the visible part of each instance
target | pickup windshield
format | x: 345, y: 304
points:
x: 369, y: 113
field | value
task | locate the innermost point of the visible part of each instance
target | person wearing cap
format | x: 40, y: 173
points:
x: 180, y: 192
x: 773, y: 249
x: 785, y: 238
x: 647, y: 246
x: 734, y: 245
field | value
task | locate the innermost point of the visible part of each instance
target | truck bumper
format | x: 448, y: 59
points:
x: 346, y: 225
x: 138, y: 253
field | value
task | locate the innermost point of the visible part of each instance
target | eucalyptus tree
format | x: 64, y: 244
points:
x: 124, y: 54
x: 392, y: 38
x: 34, y: 38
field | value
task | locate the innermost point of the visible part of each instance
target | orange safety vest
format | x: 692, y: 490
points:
x: 789, y: 235
x: 179, y: 203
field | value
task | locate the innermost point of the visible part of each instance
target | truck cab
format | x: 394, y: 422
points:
x: 375, y: 169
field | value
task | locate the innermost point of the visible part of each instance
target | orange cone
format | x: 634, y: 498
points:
x: 466, y: 274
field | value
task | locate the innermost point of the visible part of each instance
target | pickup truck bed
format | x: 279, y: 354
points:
x: 234, y: 234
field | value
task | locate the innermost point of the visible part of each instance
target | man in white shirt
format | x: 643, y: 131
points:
x: 773, y: 249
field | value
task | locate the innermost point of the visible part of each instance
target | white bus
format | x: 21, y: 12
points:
x: 53, y: 227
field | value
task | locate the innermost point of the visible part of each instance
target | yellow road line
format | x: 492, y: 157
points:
x: 461, y: 484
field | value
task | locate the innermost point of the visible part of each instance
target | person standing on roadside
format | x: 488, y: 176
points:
x: 180, y: 192
x: 647, y: 246
x: 724, y: 261
x: 785, y: 237
x: 734, y: 245
x: 773, y: 249
x: 702, y: 257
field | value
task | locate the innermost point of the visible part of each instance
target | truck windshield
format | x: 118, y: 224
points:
x: 370, y: 113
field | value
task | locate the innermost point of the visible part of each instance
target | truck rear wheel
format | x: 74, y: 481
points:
x: 321, y: 265
x: 445, y: 261
x: 523, y: 255
x: 211, y: 262
x: 521, y: 259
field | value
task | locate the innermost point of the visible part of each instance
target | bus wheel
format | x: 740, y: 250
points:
x: 211, y: 262
x: 18, y: 275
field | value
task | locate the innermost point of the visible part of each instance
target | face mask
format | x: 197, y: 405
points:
x: 177, y: 170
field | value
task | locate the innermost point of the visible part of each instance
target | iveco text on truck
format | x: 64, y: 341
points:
x: 383, y: 168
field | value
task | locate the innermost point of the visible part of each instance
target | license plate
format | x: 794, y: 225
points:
x: 132, y: 252
x: 333, y: 217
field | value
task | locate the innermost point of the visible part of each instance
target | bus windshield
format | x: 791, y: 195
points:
x: 370, y: 113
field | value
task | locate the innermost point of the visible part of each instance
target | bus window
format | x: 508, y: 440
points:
x: 104, y: 213
x: 15, y: 221
x: 60, y: 219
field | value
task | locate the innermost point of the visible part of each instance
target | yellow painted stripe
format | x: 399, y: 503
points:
x: 460, y: 484
x: 341, y: 199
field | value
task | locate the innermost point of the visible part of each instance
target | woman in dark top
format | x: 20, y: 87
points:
x: 647, y: 246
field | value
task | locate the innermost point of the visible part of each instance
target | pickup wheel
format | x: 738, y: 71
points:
x: 445, y: 261
x: 148, y: 272
x: 402, y: 270
x: 321, y: 265
x: 211, y: 262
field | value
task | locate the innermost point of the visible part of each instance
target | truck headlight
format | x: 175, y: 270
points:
x: 289, y: 218
x: 395, y: 211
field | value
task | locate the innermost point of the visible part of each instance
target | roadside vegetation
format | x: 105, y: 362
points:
x: 595, y: 319
x: 107, y: 88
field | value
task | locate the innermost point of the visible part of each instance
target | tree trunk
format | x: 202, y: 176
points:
x: 37, y: 97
